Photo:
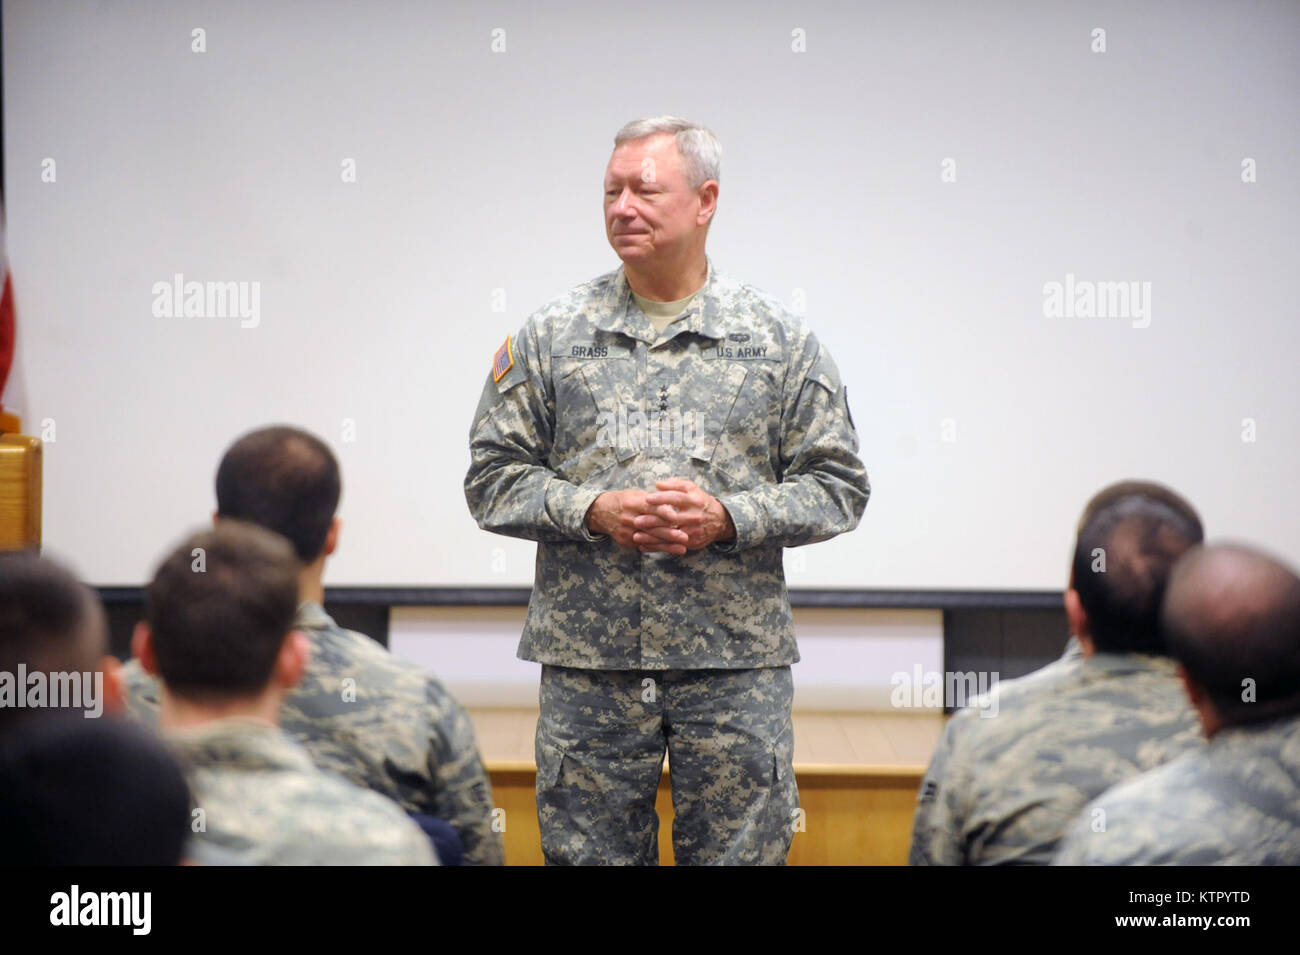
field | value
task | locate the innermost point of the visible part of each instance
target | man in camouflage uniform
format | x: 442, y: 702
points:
x: 1231, y: 617
x: 664, y: 432
x: 1012, y: 771
x: 361, y: 712
x: 219, y: 635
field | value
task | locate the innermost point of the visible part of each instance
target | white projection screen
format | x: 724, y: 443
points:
x: 1049, y: 246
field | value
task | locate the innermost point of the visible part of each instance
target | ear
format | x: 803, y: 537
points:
x: 708, y: 196
x: 142, y: 648
x: 332, y: 536
x: 291, y: 664
x: 114, y: 686
x: 216, y: 516
x: 1077, y: 616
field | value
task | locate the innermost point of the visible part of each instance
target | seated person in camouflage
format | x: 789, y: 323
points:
x: 218, y: 631
x: 361, y: 712
x: 1231, y: 618
x: 1011, y: 772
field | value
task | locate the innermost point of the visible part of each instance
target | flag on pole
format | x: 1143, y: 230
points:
x: 6, y: 332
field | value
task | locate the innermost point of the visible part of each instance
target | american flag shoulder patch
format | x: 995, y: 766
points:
x: 503, y: 360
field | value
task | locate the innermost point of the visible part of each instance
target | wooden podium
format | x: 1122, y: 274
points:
x: 20, y: 487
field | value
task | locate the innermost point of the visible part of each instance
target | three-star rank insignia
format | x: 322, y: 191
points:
x: 503, y: 360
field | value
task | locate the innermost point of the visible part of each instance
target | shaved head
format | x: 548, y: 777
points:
x: 1231, y: 616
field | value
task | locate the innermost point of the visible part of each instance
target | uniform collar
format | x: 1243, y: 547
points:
x: 1248, y: 734
x: 1118, y: 663
x: 621, y: 314
x: 312, y: 616
x: 238, y: 742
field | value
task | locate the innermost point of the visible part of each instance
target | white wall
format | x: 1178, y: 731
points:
x: 477, y: 175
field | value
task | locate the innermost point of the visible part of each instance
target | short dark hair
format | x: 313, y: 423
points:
x: 90, y: 792
x: 220, y: 608
x: 1139, y: 529
x: 1231, y: 614
x: 283, y: 479
x: 49, y: 620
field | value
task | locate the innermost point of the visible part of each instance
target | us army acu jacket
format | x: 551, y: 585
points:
x: 737, y: 396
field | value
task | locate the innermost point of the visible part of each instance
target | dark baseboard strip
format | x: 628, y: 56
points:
x: 518, y: 597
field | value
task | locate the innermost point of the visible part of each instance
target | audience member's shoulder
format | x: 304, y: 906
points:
x: 337, y: 649
x: 1231, y: 801
x: 318, y: 818
x: 1129, y: 823
x: 1257, y: 762
x: 1018, y: 705
x: 1045, y: 683
x: 1136, y: 680
x: 332, y: 643
x: 266, y: 798
x: 1157, y: 786
x: 365, y: 828
x: 143, y: 693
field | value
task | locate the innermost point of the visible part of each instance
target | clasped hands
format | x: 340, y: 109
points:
x: 675, y: 518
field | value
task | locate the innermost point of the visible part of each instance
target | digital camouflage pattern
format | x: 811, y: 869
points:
x: 264, y: 802
x: 1234, y: 802
x: 600, y: 752
x: 737, y: 396
x: 392, y: 728
x: 1002, y: 789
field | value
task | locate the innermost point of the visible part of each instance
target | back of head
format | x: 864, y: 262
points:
x: 49, y: 621
x: 90, y: 792
x: 285, y: 480
x: 1130, y: 536
x: 220, y: 607
x: 1231, y: 617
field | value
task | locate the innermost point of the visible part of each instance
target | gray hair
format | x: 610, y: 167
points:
x: 700, y: 149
